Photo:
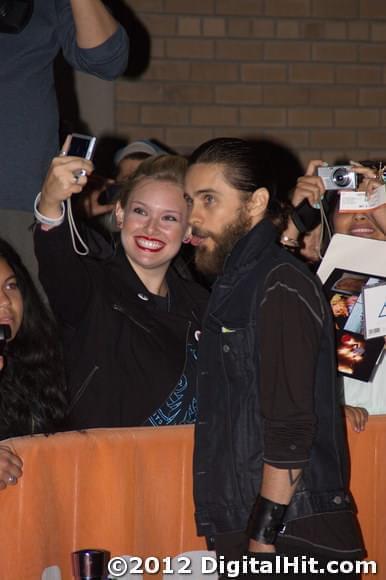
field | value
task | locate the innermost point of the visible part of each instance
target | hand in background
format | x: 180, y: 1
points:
x: 357, y: 417
x: 89, y: 200
x: 10, y: 467
x: 310, y: 186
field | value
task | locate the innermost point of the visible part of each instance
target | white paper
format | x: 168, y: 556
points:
x: 355, y: 254
x: 361, y: 201
x: 374, y: 299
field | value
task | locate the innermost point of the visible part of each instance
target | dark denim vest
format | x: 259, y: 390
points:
x: 228, y: 459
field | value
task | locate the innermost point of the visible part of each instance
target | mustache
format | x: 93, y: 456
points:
x: 201, y: 233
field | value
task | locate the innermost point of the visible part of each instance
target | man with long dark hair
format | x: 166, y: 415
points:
x: 270, y: 466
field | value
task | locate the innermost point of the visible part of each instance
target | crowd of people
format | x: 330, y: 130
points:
x: 242, y: 344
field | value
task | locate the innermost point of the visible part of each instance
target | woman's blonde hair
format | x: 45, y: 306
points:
x: 171, y: 168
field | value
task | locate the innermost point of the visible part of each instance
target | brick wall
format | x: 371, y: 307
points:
x: 309, y: 73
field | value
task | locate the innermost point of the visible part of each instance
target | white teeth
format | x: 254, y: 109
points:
x: 149, y: 244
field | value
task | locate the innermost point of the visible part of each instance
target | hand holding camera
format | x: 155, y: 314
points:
x: 67, y: 174
x: 327, y: 181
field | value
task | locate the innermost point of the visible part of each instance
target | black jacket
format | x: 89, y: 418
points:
x: 124, y: 350
x: 230, y: 446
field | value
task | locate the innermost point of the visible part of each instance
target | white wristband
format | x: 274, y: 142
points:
x: 46, y: 220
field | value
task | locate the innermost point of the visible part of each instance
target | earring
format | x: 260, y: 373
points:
x: 188, y: 236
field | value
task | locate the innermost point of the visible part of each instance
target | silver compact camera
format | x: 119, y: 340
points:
x: 338, y: 177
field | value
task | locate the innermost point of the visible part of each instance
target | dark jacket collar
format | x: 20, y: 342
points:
x: 249, y: 248
x: 125, y: 287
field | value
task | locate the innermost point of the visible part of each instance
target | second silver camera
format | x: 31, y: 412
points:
x: 338, y: 177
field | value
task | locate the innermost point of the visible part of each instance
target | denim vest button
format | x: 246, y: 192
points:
x: 226, y: 348
x: 337, y: 499
x: 293, y: 447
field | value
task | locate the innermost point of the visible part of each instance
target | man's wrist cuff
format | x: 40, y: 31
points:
x: 266, y: 521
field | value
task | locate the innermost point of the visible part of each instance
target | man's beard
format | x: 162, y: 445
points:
x: 212, y: 261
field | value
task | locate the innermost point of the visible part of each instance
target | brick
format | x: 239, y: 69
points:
x: 292, y: 139
x: 246, y: 7
x: 237, y: 132
x: 189, y: 26
x: 339, y: 138
x: 372, y: 9
x: 311, y: 73
x: 325, y: 30
x: 337, y: 156
x: 288, y: 8
x: 332, y: 9
x: 187, y: 137
x: 375, y: 138
x: 188, y: 93
x: 238, y: 93
x: 263, y: 72
x: 336, y: 30
x: 127, y: 113
x: 333, y: 96
x: 334, y: 51
x: 157, y: 48
x: 377, y: 154
x: 239, y: 27
x: 372, y: 97
x: 239, y: 50
x: 196, y: 7
x: 285, y: 95
x: 358, y: 30
x: 358, y: 74
x: 214, y: 72
x: 138, y: 91
x: 263, y: 117
x: 310, y: 117
x: 168, y: 70
x: 135, y: 132
x: 145, y: 5
x: 378, y: 32
x: 309, y: 154
x: 373, y: 52
x: 356, y: 118
x: 214, y: 27
x: 164, y: 114
x: 191, y: 49
x: 225, y: 116
x: 160, y: 24
x: 288, y: 29
x: 291, y: 50
x: 263, y: 28
x: 314, y: 30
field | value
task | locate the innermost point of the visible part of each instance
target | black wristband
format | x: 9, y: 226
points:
x: 266, y: 520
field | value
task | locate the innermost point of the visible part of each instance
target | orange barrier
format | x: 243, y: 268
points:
x: 130, y: 491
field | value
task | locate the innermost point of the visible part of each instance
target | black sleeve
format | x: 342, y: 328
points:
x: 291, y: 324
x: 63, y: 273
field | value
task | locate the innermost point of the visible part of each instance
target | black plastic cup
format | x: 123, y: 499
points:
x: 90, y: 564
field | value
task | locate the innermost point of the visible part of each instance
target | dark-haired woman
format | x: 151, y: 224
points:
x: 32, y: 393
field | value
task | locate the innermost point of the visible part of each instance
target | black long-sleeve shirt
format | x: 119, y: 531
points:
x: 291, y: 324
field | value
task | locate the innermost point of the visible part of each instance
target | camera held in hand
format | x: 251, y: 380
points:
x: 338, y: 177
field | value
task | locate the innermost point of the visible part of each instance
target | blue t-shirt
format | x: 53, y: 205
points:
x: 180, y: 408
